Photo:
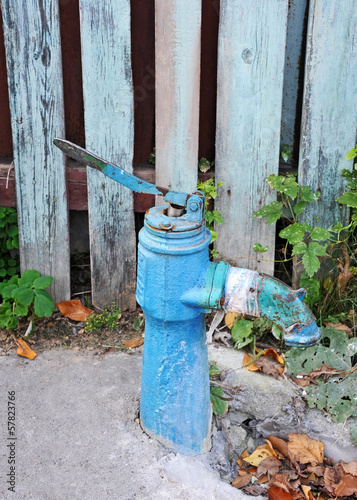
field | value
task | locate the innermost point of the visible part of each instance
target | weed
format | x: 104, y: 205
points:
x: 109, y: 318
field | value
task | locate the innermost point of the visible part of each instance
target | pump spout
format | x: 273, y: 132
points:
x: 257, y: 294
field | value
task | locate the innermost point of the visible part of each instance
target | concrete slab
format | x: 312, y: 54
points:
x: 77, y: 438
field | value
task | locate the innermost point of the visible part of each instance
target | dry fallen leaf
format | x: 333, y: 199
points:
x: 275, y: 493
x: 74, y: 309
x: 130, y: 344
x: 306, y: 490
x: 305, y: 450
x: 269, y: 465
x: 258, y: 455
x: 241, y: 481
x: 350, y: 468
x: 274, y: 367
x: 280, y: 445
x: 230, y: 318
x: 347, y: 486
x: 24, y: 350
x: 340, y: 326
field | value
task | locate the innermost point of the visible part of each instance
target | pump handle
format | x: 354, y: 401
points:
x: 118, y: 174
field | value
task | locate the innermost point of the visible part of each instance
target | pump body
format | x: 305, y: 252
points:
x: 176, y: 286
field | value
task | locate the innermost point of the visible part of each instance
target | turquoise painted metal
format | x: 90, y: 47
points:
x: 176, y: 286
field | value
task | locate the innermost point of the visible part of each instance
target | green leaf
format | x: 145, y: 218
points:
x: 11, y: 262
x: 42, y: 282
x: 20, y: 310
x: 277, y: 331
x: 307, y: 194
x: 7, y: 291
x: 311, y: 262
x: 299, y: 207
x: 285, y: 152
x: 294, y: 233
x: 13, y: 231
x: 242, y: 333
x: 320, y: 234
x: 318, y: 249
x: 351, y: 154
x: 25, y: 297
x: 349, y: 199
x: 2, y: 273
x: 43, y: 306
x: 335, y: 349
x: 219, y: 406
x: 29, y: 277
x: 213, y: 235
x: 213, y: 368
x: 273, y: 211
x: 313, y: 289
x: 299, y: 249
x: 259, y: 248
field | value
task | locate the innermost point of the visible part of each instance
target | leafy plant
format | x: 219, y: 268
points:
x: 335, y: 353
x: 209, y: 189
x: 108, y: 318
x: 25, y: 296
x: 138, y: 323
x: 9, y: 265
x: 217, y: 396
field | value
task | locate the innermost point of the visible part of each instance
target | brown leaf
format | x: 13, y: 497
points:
x: 340, y: 326
x: 280, y: 481
x: 247, y: 363
x: 302, y: 382
x: 263, y: 479
x: 254, y: 490
x: 275, y: 493
x: 347, y: 486
x: 269, y: 465
x: 73, y: 309
x: 280, y: 445
x: 350, y: 468
x: 305, y: 450
x: 3, y: 336
x: 241, y: 481
x: 130, y: 344
x: 318, y: 470
x: 333, y: 476
x: 24, y: 350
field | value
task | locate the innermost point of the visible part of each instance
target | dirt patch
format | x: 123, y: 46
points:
x: 57, y: 331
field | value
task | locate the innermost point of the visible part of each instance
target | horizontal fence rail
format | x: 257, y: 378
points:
x: 286, y: 73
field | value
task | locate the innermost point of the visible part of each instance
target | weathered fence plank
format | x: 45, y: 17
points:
x: 329, y: 121
x: 33, y: 49
x: 177, y: 55
x: 108, y: 106
x: 249, y: 101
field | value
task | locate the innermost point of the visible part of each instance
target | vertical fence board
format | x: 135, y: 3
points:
x: 32, y: 42
x: 108, y: 116
x: 177, y: 49
x: 330, y: 114
x: 249, y: 101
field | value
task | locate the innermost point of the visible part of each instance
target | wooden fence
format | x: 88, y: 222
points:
x: 286, y: 73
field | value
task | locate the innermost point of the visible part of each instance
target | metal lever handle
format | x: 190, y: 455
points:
x: 118, y: 174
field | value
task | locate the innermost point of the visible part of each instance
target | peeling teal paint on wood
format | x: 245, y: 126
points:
x: 251, y: 56
x: 329, y: 122
x: 177, y: 53
x: 34, y: 66
x: 108, y: 105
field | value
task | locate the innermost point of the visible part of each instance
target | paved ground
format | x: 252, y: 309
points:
x: 77, y: 437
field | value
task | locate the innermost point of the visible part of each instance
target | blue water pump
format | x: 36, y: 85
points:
x: 176, y: 286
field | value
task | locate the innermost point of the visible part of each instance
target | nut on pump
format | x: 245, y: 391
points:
x: 176, y: 286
